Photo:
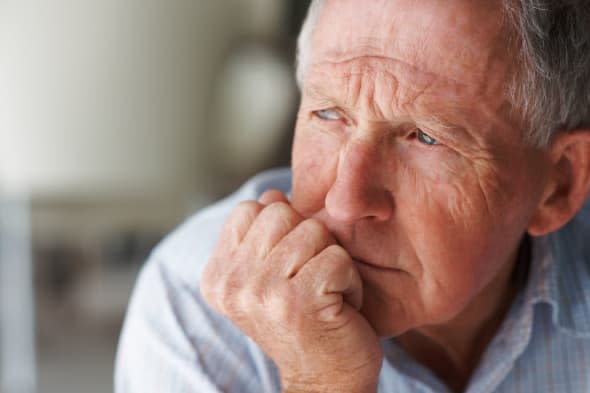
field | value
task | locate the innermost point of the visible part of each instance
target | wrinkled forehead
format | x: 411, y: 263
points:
x: 460, y: 40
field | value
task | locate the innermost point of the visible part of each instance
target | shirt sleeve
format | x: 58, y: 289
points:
x: 173, y: 342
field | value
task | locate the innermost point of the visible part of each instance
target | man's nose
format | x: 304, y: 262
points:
x: 358, y: 191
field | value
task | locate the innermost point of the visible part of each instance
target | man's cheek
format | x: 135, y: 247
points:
x: 453, y: 201
x: 306, y: 196
x: 314, y: 168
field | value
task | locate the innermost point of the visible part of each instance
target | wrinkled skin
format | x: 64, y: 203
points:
x: 412, y: 189
x: 441, y: 221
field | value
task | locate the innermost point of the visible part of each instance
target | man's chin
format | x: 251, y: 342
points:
x: 387, y: 330
x: 386, y: 319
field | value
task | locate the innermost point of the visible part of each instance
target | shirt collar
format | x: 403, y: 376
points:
x: 560, y: 275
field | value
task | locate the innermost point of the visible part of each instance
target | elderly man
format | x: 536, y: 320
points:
x: 433, y: 237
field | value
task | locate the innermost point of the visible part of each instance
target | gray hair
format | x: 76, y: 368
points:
x: 551, y: 90
x: 305, y: 38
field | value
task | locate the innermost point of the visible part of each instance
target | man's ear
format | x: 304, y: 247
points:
x: 568, y: 185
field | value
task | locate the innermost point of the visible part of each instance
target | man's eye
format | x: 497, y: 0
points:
x: 425, y: 138
x: 328, y: 114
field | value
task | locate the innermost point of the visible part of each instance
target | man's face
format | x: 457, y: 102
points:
x: 404, y: 147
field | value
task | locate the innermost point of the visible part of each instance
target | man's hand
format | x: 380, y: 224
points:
x: 289, y: 286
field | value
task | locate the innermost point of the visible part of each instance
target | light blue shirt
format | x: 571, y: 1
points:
x: 172, y: 342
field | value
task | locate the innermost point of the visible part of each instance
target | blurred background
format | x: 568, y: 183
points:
x: 118, y: 119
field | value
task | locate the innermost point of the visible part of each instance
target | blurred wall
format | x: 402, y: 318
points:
x: 112, y: 95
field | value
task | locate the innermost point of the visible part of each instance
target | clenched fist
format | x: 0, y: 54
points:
x: 287, y: 284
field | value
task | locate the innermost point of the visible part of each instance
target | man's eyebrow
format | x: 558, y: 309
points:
x: 426, y: 116
x: 453, y: 131
x: 442, y: 124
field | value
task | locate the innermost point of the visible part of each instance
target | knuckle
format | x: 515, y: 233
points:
x: 281, y: 305
x: 254, y: 294
x: 248, y: 208
x: 228, y: 298
x: 283, y: 210
x: 220, y: 287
